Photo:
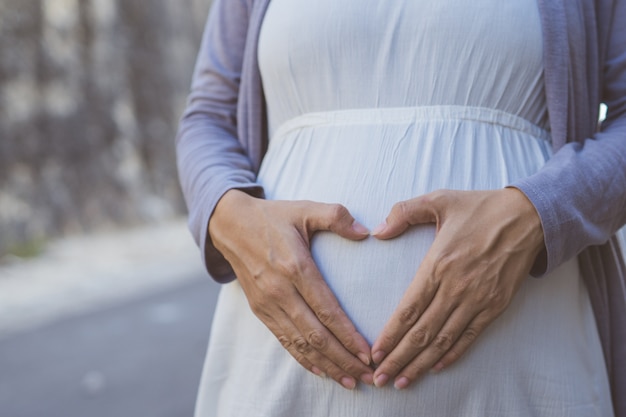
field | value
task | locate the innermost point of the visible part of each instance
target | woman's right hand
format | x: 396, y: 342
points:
x: 267, y: 243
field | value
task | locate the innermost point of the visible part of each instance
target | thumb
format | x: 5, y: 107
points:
x: 405, y: 214
x: 337, y: 219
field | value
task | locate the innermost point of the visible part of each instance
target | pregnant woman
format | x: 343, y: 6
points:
x: 440, y: 127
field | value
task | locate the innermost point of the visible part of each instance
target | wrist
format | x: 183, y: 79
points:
x: 224, y: 218
x: 529, y: 216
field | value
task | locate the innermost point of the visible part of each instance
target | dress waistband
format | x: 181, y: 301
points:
x: 401, y: 115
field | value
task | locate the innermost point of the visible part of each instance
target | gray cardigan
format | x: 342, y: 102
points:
x: 580, y: 194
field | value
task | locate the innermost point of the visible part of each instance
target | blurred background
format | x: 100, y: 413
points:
x: 105, y: 309
x: 104, y: 306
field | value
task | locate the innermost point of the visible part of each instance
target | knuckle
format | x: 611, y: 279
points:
x: 497, y: 301
x: 301, y: 345
x: 458, y: 288
x: 420, y: 338
x: 351, y: 369
x: 288, y: 267
x: 326, y: 316
x: 299, y: 357
x: 285, y: 341
x: 470, y: 335
x: 400, y: 209
x: 306, y: 268
x: 274, y: 292
x: 409, y: 315
x: 443, y: 342
x: 318, y: 340
x: 439, y: 197
x: 443, y: 264
x: 338, y: 212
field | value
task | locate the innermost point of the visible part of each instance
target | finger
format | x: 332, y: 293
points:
x: 335, y: 218
x: 308, y: 343
x: 324, y: 305
x: 316, y: 337
x: 304, y: 353
x: 463, y: 343
x: 413, y: 304
x: 448, y: 335
x: 284, y: 303
x: 279, y: 324
x: 286, y: 338
x: 420, y: 337
x: 424, y: 209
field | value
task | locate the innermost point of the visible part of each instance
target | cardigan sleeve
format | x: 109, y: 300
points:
x: 210, y: 157
x: 580, y: 194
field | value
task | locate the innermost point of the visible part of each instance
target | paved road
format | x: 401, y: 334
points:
x: 139, y: 359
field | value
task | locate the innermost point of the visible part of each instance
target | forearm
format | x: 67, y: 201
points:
x: 580, y: 195
x: 209, y: 165
x: 211, y: 159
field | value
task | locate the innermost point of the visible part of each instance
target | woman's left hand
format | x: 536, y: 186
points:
x: 485, y: 245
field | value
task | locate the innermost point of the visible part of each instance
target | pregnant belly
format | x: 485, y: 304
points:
x: 369, y: 277
x: 368, y: 167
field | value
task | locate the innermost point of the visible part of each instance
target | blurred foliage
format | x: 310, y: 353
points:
x: 26, y: 250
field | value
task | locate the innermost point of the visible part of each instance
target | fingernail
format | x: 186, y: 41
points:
x: 348, y: 383
x: 379, y: 228
x: 437, y: 368
x: 378, y: 357
x: 381, y: 380
x: 317, y: 371
x: 402, y: 383
x: 367, y: 379
x: 364, y: 358
x: 359, y: 228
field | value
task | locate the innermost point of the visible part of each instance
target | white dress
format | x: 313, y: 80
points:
x: 371, y: 102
